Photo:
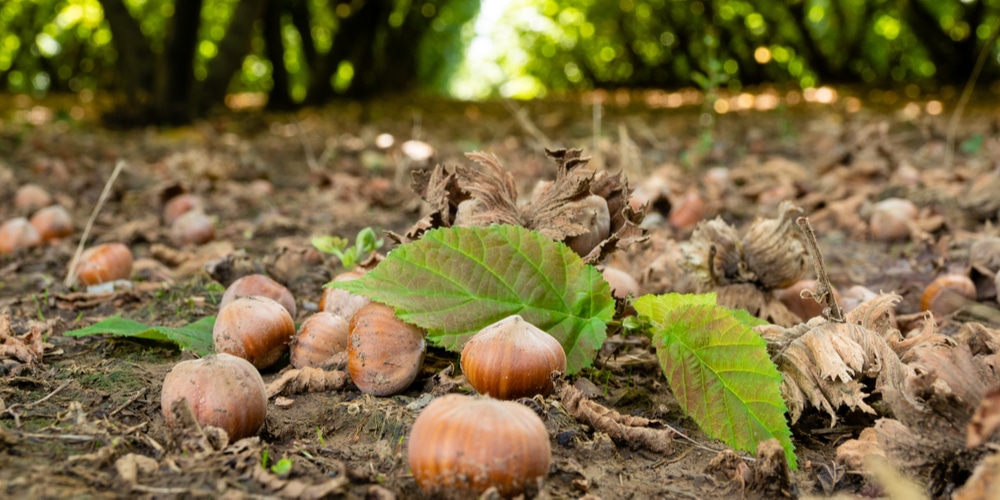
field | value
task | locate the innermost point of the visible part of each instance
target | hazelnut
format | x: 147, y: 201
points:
x: 461, y: 445
x: 622, y: 283
x: 946, y: 293
x: 891, y: 219
x: 180, y: 205
x: 192, y: 228
x: 384, y: 354
x: 103, y: 263
x: 592, y: 213
x: 512, y: 359
x: 321, y: 335
x: 223, y: 391
x: 31, y: 197
x: 17, y: 233
x: 803, y: 307
x: 254, y: 328
x: 52, y: 223
x: 262, y: 286
x: 341, y: 302
x: 687, y: 212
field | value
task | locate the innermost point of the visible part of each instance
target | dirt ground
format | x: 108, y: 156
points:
x: 70, y: 425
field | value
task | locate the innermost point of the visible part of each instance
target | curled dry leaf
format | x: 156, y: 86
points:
x: 307, y: 379
x: 564, y: 209
x: 634, y: 431
x: 769, y: 254
x: 27, y: 348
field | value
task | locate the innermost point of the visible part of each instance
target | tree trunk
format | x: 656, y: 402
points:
x: 135, y: 57
x: 356, y: 31
x: 280, y: 96
x: 232, y: 49
x: 175, y: 71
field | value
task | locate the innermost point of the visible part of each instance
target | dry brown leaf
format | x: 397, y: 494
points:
x: 771, y: 476
x: 986, y: 420
x: 853, y: 453
x: 984, y: 483
x: 634, y: 431
x: 27, y: 348
x: 307, y: 379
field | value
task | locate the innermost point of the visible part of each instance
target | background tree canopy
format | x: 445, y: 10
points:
x: 171, y: 60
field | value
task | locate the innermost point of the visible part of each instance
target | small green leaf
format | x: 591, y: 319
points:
x: 283, y: 466
x: 329, y: 244
x: 455, y: 281
x: 719, y: 371
x: 196, y: 336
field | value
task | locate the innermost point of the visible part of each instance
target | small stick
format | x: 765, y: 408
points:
x: 966, y: 94
x: 521, y: 115
x: 71, y: 275
x: 823, y: 288
x: 131, y: 400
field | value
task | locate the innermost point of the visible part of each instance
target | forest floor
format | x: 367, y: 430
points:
x: 74, y: 423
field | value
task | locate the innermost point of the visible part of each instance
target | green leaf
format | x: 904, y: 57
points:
x: 283, y: 466
x: 455, y: 281
x: 196, y: 336
x: 719, y: 371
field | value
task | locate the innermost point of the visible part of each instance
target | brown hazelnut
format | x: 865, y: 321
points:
x: 256, y: 329
x: 321, y: 335
x: 192, y: 228
x: 31, y: 197
x: 180, y: 205
x: 341, y: 302
x: 17, y: 233
x: 805, y: 308
x: 592, y: 213
x: 687, y: 212
x: 946, y: 293
x: 103, y: 263
x: 52, y: 222
x: 891, y: 219
x: 622, y: 283
x: 384, y: 354
x: 461, y: 446
x: 223, y: 391
x: 262, y: 286
x: 512, y: 359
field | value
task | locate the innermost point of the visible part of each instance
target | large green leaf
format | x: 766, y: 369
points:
x: 196, y: 336
x: 719, y: 370
x: 455, y: 281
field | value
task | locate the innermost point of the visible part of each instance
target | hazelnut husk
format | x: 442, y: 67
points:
x: 223, y: 391
x: 257, y: 329
x: 384, y: 354
x: 460, y: 446
x: 512, y: 359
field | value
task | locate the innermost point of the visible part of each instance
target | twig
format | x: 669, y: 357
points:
x: 956, y: 115
x: 131, y: 400
x: 823, y: 288
x: 40, y: 401
x: 71, y: 275
x: 597, y: 115
x: 521, y: 115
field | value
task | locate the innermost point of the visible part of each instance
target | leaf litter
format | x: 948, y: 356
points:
x: 922, y: 408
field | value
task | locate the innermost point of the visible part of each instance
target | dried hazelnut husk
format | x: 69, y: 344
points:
x: 341, y: 302
x: 31, y: 197
x: 104, y: 263
x: 180, y: 205
x: 946, y: 293
x: 462, y: 445
x: 384, y: 353
x: 321, y: 335
x: 262, y: 286
x: 592, y: 213
x: 512, y: 359
x: 192, y: 228
x: 891, y: 219
x: 223, y: 391
x: 257, y: 329
x: 52, y: 222
x: 17, y: 233
x: 774, y: 250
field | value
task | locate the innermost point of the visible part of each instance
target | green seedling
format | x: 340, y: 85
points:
x: 365, y: 243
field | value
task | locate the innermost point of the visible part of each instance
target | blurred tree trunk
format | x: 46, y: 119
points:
x: 175, y: 70
x: 355, y: 34
x: 135, y: 57
x: 280, y: 96
x: 235, y: 45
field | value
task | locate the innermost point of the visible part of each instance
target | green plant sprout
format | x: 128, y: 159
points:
x: 365, y: 243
